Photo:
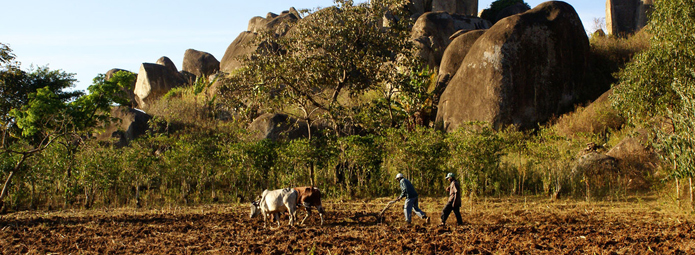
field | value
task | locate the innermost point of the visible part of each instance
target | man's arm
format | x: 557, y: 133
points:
x: 403, y: 191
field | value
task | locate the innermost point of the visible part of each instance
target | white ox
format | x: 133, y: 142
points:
x: 274, y: 202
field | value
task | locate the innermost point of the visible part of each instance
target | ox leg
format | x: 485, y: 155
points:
x: 321, y: 215
x: 308, y: 213
x: 265, y: 219
x: 277, y: 217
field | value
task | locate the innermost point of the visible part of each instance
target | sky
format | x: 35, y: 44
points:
x: 89, y: 37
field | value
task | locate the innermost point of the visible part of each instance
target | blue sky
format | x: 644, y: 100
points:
x: 89, y: 37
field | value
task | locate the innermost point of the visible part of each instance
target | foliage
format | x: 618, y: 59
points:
x: 323, y: 66
x: 497, y: 6
x: 38, y: 111
x: 6, y: 54
x: 419, y: 155
x: 476, y: 152
x: 659, y: 83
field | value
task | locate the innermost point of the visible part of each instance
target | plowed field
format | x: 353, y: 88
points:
x: 491, y: 227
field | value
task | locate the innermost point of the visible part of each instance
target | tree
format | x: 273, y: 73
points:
x: 658, y: 84
x: 38, y: 111
x: 497, y: 6
x: 325, y: 66
x: 5, y: 54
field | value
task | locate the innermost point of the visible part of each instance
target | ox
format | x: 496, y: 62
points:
x: 274, y: 202
x: 309, y: 197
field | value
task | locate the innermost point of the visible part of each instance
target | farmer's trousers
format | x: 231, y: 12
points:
x: 411, y: 204
x: 448, y: 209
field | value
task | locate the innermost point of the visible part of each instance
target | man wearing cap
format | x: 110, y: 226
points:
x: 408, y: 192
x: 454, y: 202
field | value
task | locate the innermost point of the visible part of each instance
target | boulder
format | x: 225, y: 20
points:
x: 637, y: 162
x: 522, y: 71
x: 129, y: 93
x: 432, y: 30
x: 199, y: 63
x: 155, y: 80
x: 627, y: 16
x: 168, y: 64
x: 634, y: 149
x: 595, y: 164
x: 241, y: 46
x: 276, y: 126
x: 131, y: 124
x: 246, y: 44
x: 454, y: 54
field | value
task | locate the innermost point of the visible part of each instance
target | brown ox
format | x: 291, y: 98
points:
x: 309, y: 197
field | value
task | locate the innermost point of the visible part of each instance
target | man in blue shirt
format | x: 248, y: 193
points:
x: 408, y: 192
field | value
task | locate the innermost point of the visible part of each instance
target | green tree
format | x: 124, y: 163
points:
x: 37, y: 111
x: 497, y: 6
x: 324, y: 67
x: 6, y: 54
x: 659, y: 83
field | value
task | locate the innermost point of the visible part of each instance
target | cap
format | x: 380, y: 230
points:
x: 399, y: 175
x: 449, y: 175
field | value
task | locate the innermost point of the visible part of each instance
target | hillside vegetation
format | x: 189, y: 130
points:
x: 371, y: 95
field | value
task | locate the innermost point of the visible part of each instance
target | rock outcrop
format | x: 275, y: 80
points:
x: 461, y: 43
x: 130, y: 124
x: 246, y: 44
x: 627, y: 16
x: 276, y: 126
x: 523, y: 70
x: 432, y: 30
x: 155, y: 80
x: 199, y: 63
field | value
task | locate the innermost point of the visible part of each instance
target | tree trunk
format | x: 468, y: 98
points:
x: 690, y: 180
x: 4, y: 191
x: 137, y: 195
x: 32, y: 203
x: 678, y: 192
x: 588, y: 193
x: 311, y: 173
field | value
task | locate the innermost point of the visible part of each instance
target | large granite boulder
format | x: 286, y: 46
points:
x: 461, y: 43
x: 155, y: 80
x: 128, y: 92
x: 276, y: 126
x: 432, y: 30
x: 199, y: 63
x: 246, y: 44
x: 131, y: 124
x: 522, y: 71
x: 243, y: 45
x: 627, y: 16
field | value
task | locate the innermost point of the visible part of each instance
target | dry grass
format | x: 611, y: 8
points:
x: 620, y: 49
x: 596, y: 118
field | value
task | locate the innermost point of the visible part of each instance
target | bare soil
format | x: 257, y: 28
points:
x: 502, y: 226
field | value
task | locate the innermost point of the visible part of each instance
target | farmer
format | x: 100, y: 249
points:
x: 408, y: 192
x: 454, y: 202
